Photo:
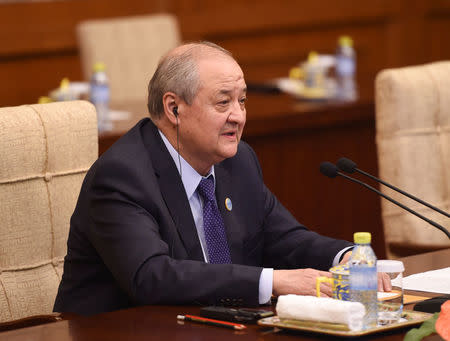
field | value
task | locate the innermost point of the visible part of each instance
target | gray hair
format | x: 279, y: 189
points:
x: 178, y: 73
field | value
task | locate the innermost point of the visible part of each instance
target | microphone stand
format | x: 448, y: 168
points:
x: 443, y: 229
x: 349, y: 166
x: 403, y: 192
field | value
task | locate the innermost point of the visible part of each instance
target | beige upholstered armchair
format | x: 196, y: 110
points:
x: 45, y: 151
x: 131, y: 48
x: 413, y: 141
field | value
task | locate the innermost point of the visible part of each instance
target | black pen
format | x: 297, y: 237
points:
x: 211, y: 322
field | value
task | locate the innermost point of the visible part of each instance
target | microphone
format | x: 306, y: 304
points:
x: 330, y: 170
x: 349, y: 166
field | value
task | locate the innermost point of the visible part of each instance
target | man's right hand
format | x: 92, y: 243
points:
x: 300, y: 282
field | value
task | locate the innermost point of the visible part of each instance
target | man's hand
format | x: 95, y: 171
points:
x: 384, y: 282
x: 300, y: 282
x: 346, y: 257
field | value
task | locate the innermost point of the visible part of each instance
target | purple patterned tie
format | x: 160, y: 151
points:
x: 216, y: 239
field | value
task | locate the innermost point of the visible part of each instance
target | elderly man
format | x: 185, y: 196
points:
x: 176, y: 211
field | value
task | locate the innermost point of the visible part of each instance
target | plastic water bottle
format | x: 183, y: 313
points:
x: 363, y: 278
x: 100, y: 96
x: 346, y: 69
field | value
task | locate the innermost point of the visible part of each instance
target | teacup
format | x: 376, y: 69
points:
x: 339, y: 282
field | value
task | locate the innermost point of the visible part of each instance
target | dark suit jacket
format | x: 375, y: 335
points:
x: 133, y: 240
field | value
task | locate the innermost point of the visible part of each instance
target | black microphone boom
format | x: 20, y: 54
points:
x: 330, y: 170
x: 349, y: 166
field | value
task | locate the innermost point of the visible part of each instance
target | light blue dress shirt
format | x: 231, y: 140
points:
x: 191, y: 178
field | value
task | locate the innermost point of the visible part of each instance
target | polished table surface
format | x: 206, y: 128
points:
x: 160, y: 323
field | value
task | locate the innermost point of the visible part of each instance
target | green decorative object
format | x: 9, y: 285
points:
x: 427, y: 328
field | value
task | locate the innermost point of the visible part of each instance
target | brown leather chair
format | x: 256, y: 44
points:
x: 131, y: 48
x: 45, y: 152
x: 413, y: 141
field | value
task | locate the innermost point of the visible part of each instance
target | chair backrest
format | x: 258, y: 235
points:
x: 45, y: 151
x: 130, y: 47
x: 413, y: 141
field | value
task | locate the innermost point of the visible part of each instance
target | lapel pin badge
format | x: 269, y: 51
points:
x: 228, y: 204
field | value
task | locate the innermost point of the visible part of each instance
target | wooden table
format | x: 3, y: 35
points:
x: 160, y: 323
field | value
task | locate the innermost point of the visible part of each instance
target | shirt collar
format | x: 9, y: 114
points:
x: 190, y: 177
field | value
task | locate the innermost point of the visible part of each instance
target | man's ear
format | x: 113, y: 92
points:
x: 170, y: 103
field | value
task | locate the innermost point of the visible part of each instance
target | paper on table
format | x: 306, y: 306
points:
x: 431, y: 281
x: 407, y: 299
x: 382, y: 296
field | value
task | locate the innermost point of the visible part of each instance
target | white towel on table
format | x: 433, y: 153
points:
x: 310, y: 308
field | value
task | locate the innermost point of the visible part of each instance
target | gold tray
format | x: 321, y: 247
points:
x: 410, y: 317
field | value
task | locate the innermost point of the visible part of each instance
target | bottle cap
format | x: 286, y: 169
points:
x: 65, y: 84
x: 345, y: 41
x: 386, y: 265
x: 313, y: 57
x: 362, y: 237
x: 99, y: 67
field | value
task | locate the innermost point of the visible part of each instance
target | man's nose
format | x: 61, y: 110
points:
x: 237, y: 113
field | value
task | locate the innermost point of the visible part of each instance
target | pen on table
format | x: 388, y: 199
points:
x: 212, y: 322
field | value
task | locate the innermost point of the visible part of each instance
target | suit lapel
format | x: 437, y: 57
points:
x: 174, y: 195
x: 235, y: 232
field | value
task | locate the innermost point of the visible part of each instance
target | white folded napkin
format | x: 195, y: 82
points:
x: 310, y: 308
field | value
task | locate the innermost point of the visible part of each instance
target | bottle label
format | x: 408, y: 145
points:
x: 345, y: 66
x: 99, y: 94
x: 363, y: 278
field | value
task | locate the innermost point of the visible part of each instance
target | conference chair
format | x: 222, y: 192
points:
x: 130, y: 48
x: 45, y: 152
x: 413, y: 142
